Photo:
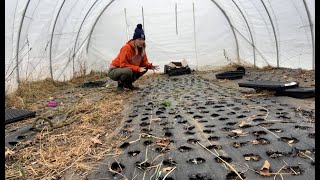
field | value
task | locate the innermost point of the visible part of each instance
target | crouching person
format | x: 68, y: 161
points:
x: 131, y: 62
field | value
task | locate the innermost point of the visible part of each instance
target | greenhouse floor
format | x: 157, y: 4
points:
x: 180, y: 127
x: 197, y: 127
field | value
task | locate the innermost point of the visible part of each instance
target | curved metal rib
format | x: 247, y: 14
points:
x: 235, y: 36
x: 18, y: 40
x: 252, y: 41
x: 75, y: 43
x: 311, y: 31
x: 274, y: 32
x: 95, y: 22
x: 50, y: 47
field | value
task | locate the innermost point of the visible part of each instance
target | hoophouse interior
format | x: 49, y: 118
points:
x: 57, y: 39
x: 66, y: 119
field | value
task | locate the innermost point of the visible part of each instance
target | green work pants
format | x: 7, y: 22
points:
x: 125, y: 75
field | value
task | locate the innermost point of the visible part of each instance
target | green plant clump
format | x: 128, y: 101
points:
x: 166, y: 103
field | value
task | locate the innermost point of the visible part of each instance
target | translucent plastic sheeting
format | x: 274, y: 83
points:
x: 163, y: 44
x: 197, y: 31
x: 292, y: 29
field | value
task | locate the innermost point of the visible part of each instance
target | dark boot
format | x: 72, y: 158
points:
x: 130, y: 86
x: 120, y: 86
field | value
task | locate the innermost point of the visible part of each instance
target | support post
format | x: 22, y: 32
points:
x: 194, y: 34
x: 125, y: 18
x: 176, y: 13
x: 144, y: 28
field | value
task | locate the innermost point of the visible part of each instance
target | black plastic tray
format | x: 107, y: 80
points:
x: 269, y: 85
x: 231, y: 75
x: 299, y: 92
x: 15, y: 115
x: 173, y: 71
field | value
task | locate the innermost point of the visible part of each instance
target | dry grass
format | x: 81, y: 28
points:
x: 267, y: 68
x: 258, y: 94
x: 92, y: 76
x: 51, y: 153
x: 150, y: 75
x: 27, y: 92
x: 229, y: 67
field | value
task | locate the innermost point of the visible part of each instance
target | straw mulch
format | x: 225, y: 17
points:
x: 79, y: 145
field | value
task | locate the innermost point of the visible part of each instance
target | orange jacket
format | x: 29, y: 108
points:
x: 127, y: 58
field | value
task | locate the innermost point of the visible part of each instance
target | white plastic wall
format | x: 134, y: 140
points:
x: 204, y: 36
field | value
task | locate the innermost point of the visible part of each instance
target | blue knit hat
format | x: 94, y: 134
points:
x: 138, y: 32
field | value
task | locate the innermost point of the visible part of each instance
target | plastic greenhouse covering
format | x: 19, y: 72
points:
x: 60, y: 38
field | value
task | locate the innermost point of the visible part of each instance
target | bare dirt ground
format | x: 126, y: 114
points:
x: 91, y: 120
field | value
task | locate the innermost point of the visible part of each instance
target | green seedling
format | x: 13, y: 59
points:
x: 166, y: 103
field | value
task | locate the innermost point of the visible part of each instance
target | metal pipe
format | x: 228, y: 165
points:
x: 252, y: 41
x: 125, y: 17
x: 70, y: 57
x: 18, y: 40
x: 11, y: 60
x: 194, y: 34
x: 14, y: 17
x: 311, y: 31
x: 144, y: 28
x: 274, y: 32
x: 95, y: 22
x: 252, y: 45
x: 50, y: 47
x: 17, y: 64
x: 234, y: 34
x: 75, y: 44
x: 176, y: 13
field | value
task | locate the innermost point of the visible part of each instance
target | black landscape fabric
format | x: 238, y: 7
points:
x: 170, y: 121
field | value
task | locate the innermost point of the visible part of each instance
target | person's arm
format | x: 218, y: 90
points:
x: 145, y: 62
x: 148, y: 65
x: 124, y: 60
